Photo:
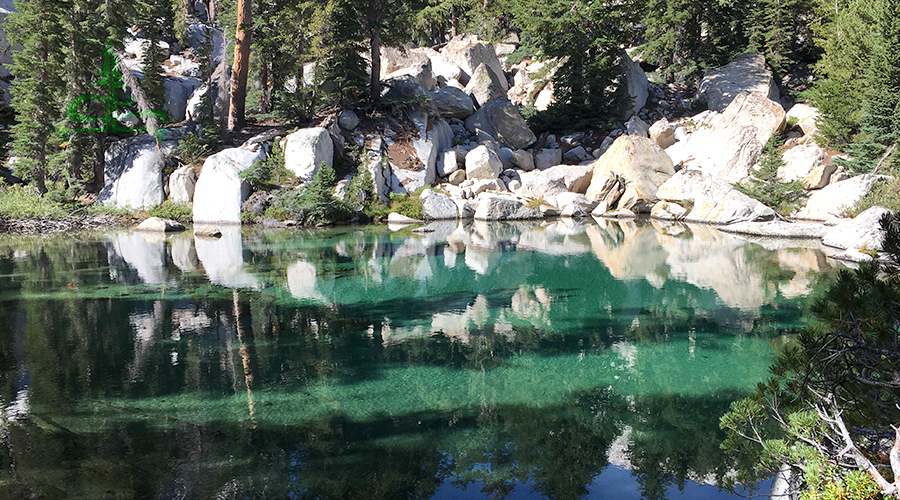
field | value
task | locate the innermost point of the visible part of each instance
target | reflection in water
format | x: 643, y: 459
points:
x: 567, y: 359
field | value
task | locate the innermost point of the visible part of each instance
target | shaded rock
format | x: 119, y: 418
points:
x: 832, y: 200
x: 483, y: 163
x: 577, y: 155
x: 640, y: 161
x: 573, y: 211
x: 160, y: 225
x: 306, y: 150
x: 348, y: 119
x: 485, y: 86
x: 712, y: 200
x: 564, y: 200
x: 863, y: 232
x: 181, y: 185
x: 746, y: 73
x: 403, y: 87
x: 636, y: 126
x: 450, y: 163
x: 668, y: 211
x: 547, y: 158
x: 501, y: 120
x: 257, y: 202
x: 220, y: 190
x: 207, y: 231
x: 453, y: 102
x: 179, y: 91
x: 523, y: 159
x: 607, y: 188
x: 505, y: 208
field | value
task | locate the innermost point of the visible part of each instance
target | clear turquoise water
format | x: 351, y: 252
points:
x: 554, y: 360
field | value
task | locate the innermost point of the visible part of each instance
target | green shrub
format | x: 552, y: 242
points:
x: 271, y: 172
x: 20, y: 202
x: 313, y: 203
x: 408, y: 205
x: 192, y: 149
x: 764, y: 185
x: 169, y: 210
x: 885, y: 194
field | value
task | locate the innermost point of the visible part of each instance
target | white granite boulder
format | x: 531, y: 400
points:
x: 306, y: 150
x: 220, y: 191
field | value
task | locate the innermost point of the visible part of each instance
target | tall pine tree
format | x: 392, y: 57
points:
x: 37, y: 26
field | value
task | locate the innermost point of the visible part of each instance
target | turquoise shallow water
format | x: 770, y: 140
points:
x: 530, y: 360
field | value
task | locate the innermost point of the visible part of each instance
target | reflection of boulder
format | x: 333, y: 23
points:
x: 302, y: 281
x: 184, y: 256
x: 223, y: 259
x: 145, y: 257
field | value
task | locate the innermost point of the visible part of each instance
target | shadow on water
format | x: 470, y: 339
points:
x: 507, y: 360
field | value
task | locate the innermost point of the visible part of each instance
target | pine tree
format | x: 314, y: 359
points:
x: 589, y: 37
x: 243, y: 39
x: 38, y: 86
x: 846, y: 34
x: 780, y: 30
x: 881, y: 104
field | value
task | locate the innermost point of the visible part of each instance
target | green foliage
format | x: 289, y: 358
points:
x: 764, y: 185
x: 588, y: 37
x: 884, y: 194
x: 841, y: 375
x: 19, y: 202
x: 169, y: 210
x: 270, y: 172
x: 313, y: 203
x: 191, y: 149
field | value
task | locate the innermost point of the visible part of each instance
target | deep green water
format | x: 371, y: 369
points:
x: 560, y: 360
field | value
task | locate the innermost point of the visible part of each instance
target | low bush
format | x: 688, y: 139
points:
x: 21, y: 202
x: 271, y: 172
x: 885, y: 194
x: 313, y: 203
x: 169, y: 210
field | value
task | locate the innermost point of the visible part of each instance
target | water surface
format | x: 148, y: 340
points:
x: 528, y: 360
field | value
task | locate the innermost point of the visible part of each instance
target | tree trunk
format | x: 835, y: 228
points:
x: 151, y: 120
x: 375, y: 18
x: 236, y: 116
x: 99, y: 163
x: 211, y: 10
x: 454, y: 22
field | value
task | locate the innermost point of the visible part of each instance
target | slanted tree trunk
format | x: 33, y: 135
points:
x: 236, y: 117
x: 147, y: 113
x: 454, y: 21
x: 376, y: 16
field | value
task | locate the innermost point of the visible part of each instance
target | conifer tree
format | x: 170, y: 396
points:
x: 780, y: 30
x: 243, y: 38
x: 881, y: 99
x: 845, y: 34
x: 589, y: 37
x: 37, y: 26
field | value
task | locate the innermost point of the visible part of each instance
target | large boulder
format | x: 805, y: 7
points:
x: 133, y: 172
x: 555, y: 180
x: 831, y: 201
x: 746, y: 73
x: 639, y: 160
x: 709, y: 199
x: 505, y: 208
x: 485, y: 86
x: 468, y: 52
x: 862, y: 232
x: 220, y: 190
x: 181, y: 185
x: 728, y: 145
x: 306, y: 150
x: 637, y: 85
x: 501, y: 120
x: 453, y: 102
x: 439, y: 206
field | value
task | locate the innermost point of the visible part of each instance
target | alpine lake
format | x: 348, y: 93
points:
x: 548, y: 359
